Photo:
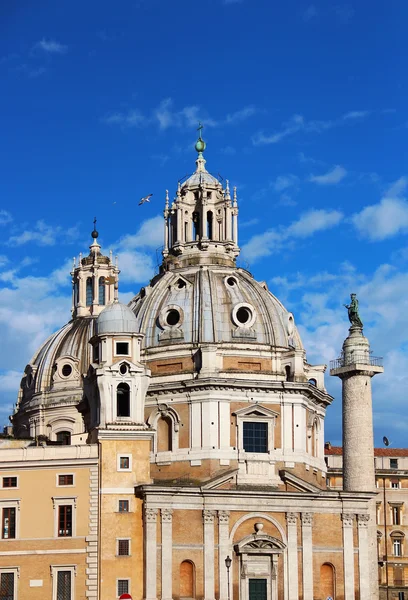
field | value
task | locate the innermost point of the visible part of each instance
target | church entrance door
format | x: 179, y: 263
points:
x: 257, y: 589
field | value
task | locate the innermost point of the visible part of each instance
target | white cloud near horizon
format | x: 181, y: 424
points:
x: 272, y: 241
x: 165, y: 116
x: 335, y: 175
x: 51, y: 46
x: 388, y: 217
x: 44, y: 235
x: 5, y: 217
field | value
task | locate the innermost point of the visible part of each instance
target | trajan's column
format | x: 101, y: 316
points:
x: 355, y: 368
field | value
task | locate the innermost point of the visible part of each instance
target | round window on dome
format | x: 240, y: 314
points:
x: 173, y: 317
x: 231, y: 281
x: 66, y: 370
x: 244, y: 315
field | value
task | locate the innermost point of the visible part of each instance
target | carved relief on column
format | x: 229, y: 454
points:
x: 208, y: 516
x: 291, y: 518
x: 362, y: 521
x: 150, y: 515
x: 307, y: 519
x: 223, y: 516
x: 348, y: 519
x: 166, y: 515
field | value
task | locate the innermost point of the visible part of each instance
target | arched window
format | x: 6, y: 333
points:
x: 210, y: 225
x: 76, y: 293
x: 313, y: 382
x: 327, y: 581
x: 89, y: 291
x: 164, y: 434
x: 315, y: 438
x: 123, y: 400
x: 187, y: 579
x: 288, y: 373
x: 102, y: 289
x: 196, y: 226
x: 64, y: 438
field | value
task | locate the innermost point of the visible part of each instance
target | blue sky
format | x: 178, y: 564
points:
x: 304, y: 107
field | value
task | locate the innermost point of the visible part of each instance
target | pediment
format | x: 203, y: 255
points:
x: 256, y: 410
x: 259, y: 544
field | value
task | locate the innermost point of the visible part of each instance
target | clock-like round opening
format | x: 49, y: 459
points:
x: 173, y: 317
x: 244, y: 315
x: 66, y: 370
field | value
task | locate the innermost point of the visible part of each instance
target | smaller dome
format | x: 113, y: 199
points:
x: 116, y: 318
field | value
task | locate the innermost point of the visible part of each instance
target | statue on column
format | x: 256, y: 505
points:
x: 353, y: 314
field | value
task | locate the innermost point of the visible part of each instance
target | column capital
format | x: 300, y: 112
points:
x: 291, y: 518
x: 208, y: 516
x: 307, y: 519
x: 363, y: 520
x: 166, y: 515
x: 150, y: 515
x: 223, y: 516
x: 348, y: 519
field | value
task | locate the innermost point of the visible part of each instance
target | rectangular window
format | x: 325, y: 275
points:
x: 65, y: 480
x: 64, y: 585
x: 396, y: 515
x: 401, y: 596
x: 65, y: 520
x: 397, y: 547
x: 7, y: 586
x: 395, y: 484
x: 393, y: 463
x: 8, y: 524
x: 122, y: 349
x: 9, y: 482
x: 124, y: 462
x: 255, y: 436
x: 123, y: 586
x: 124, y: 506
x: 123, y: 547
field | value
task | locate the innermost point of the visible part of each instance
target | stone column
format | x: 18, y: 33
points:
x: 348, y: 556
x: 166, y: 234
x: 179, y: 232
x: 235, y: 227
x: 293, y: 584
x: 307, y: 556
x: 150, y: 516
x: 228, y: 217
x: 363, y: 556
x: 208, y: 519
x: 223, y: 550
x: 166, y: 553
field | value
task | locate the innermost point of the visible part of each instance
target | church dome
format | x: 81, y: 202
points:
x: 116, y: 318
x: 212, y: 305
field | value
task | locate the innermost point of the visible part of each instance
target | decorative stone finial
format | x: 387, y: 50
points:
x: 235, y: 198
x: 167, y: 199
x: 227, y: 191
x: 353, y: 313
x: 200, y: 143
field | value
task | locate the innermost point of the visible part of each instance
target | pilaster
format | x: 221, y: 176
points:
x: 150, y: 518
x: 166, y: 553
x: 348, y: 556
x: 208, y: 520
x: 307, y: 556
x: 293, y: 587
x: 363, y: 556
x: 223, y: 551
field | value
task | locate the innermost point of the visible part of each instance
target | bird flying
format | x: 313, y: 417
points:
x: 145, y: 199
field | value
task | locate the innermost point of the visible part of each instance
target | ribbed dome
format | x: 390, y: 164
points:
x: 116, y: 318
x: 212, y: 304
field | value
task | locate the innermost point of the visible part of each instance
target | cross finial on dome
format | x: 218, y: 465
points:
x: 200, y: 146
x: 94, y: 233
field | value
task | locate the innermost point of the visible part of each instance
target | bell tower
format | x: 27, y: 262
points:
x: 94, y: 281
x: 201, y: 225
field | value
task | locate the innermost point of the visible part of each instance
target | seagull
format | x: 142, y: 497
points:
x: 145, y: 199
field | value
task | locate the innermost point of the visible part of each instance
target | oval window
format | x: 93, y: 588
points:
x: 231, y: 281
x: 173, y: 317
x: 123, y: 369
x: 66, y: 370
x: 244, y: 315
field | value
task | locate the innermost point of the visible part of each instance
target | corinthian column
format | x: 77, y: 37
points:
x: 307, y: 556
x: 363, y: 556
x: 223, y: 550
x: 348, y: 556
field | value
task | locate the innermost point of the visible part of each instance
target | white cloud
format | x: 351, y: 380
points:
x: 10, y: 380
x: 295, y: 124
x: 240, y: 115
x: 335, y: 175
x: 388, y: 217
x: 313, y: 221
x: 135, y: 267
x: 132, y: 118
x: 283, y: 182
x: 51, y: 46
x: 149, y: 235
x: 43, y: 235
x: 355, y: 114
x: 5, y: 217
x: 3, y: 260
x: 310, y: 13
x: 273, y: 240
